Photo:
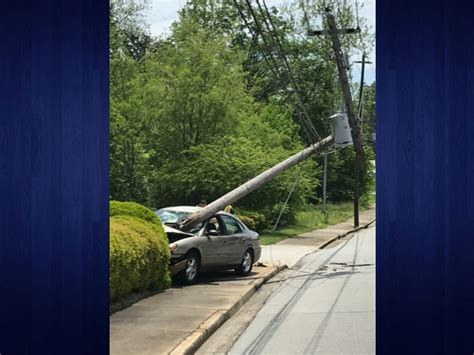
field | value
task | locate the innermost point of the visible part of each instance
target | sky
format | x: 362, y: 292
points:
x: 163, y: 13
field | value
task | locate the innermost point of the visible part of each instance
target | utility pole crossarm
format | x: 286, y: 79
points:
x: 340, y: 31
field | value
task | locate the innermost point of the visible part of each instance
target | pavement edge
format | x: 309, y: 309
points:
x: 339, y: 236
x: 193, y: 341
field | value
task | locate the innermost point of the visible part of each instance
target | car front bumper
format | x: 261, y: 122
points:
x: 177, y: 265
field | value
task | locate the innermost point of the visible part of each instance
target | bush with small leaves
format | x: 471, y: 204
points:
x: 139, y: 251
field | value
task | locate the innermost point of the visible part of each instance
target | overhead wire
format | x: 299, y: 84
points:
x: 273, y: 32
x: 272, y: 60
x: 274, y: 69
x: 306, y: 123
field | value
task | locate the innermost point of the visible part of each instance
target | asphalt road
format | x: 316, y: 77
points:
x: 327, y: 306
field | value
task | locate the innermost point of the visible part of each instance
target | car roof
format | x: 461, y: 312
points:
x: 190, y: 209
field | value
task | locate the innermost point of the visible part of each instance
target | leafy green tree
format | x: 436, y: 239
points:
x: 192, y: 88
x: 129, y: 166
x: 208, y: 133
x: 200, y: 112
x: 369, y: 115
x: 340, y: 185
x: 128, y: 30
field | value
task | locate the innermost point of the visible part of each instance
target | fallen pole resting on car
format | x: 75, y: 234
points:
x: 255, y: 183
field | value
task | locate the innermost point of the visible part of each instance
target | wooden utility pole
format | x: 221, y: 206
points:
x: 255, y: 183
x: 351, y: 114
x: 325, y: 184
x: 361, y: 90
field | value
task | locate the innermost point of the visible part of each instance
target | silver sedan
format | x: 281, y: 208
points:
x: 221, y: 242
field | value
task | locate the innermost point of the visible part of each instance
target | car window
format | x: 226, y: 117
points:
x: 232, y: 226
x: 214, y: 223
x: 195, y: 229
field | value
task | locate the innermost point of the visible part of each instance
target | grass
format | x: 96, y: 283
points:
x: 312, y: 219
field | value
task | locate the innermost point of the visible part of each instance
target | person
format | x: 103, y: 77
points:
x: 229, y: 209
x: 202, y: 203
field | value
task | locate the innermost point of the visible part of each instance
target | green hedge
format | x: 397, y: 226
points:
x: 249, y: 222
x: 139, y: 251
x: 133, y: 209
x: 254, y: 220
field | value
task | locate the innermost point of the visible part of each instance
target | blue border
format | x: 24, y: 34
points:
x: 54, y: 177
x: 425, y: 186
x: 54, y: 94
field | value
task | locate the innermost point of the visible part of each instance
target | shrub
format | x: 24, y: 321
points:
x: 249, y: 222
x: 139, y: 252
x: 254, y: 220
x: 133, y: 209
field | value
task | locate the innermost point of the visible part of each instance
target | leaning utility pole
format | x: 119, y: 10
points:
x: 346, y: 92
x: 254, y: 183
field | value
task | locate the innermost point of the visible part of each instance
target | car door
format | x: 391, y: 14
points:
x: 213, y: 247
x: 235, y: 241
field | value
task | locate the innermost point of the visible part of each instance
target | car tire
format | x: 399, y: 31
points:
x: 189, y: 275
x: 245, y: 267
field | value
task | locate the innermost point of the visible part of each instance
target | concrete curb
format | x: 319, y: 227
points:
x: 193, y: 341
x: 339, y: 236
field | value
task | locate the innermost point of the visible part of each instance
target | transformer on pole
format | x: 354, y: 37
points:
x: 341, y: 130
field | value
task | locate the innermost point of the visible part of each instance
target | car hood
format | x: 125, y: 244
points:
x: 174, y: 234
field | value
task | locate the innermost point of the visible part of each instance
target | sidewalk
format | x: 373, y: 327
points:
x: 180, y: 319
x: 290, y: 250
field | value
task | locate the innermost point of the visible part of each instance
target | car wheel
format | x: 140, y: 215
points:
x: 190, y: 272
x: 245, y: 266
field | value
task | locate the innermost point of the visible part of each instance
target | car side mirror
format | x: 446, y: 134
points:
x: 212, y: 232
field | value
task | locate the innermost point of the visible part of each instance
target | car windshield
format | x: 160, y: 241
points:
x: 174, y: 217
x: 171, y: 216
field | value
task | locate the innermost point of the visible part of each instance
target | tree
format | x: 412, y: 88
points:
x: 128, y: 31
x: 369, y: 114
x: 128, y: 155
x: 192, y: 88
x: 200, y: 112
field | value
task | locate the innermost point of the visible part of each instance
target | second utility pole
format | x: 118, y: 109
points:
x: 361, y: 90
x: 352, y: 116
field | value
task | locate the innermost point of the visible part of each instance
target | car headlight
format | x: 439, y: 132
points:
x: 173, y: 247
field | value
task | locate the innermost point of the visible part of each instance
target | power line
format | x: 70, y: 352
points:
x: 269, y: 60
x: 306, y: 127
x: 274, y: 70
x: 273, y: 32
